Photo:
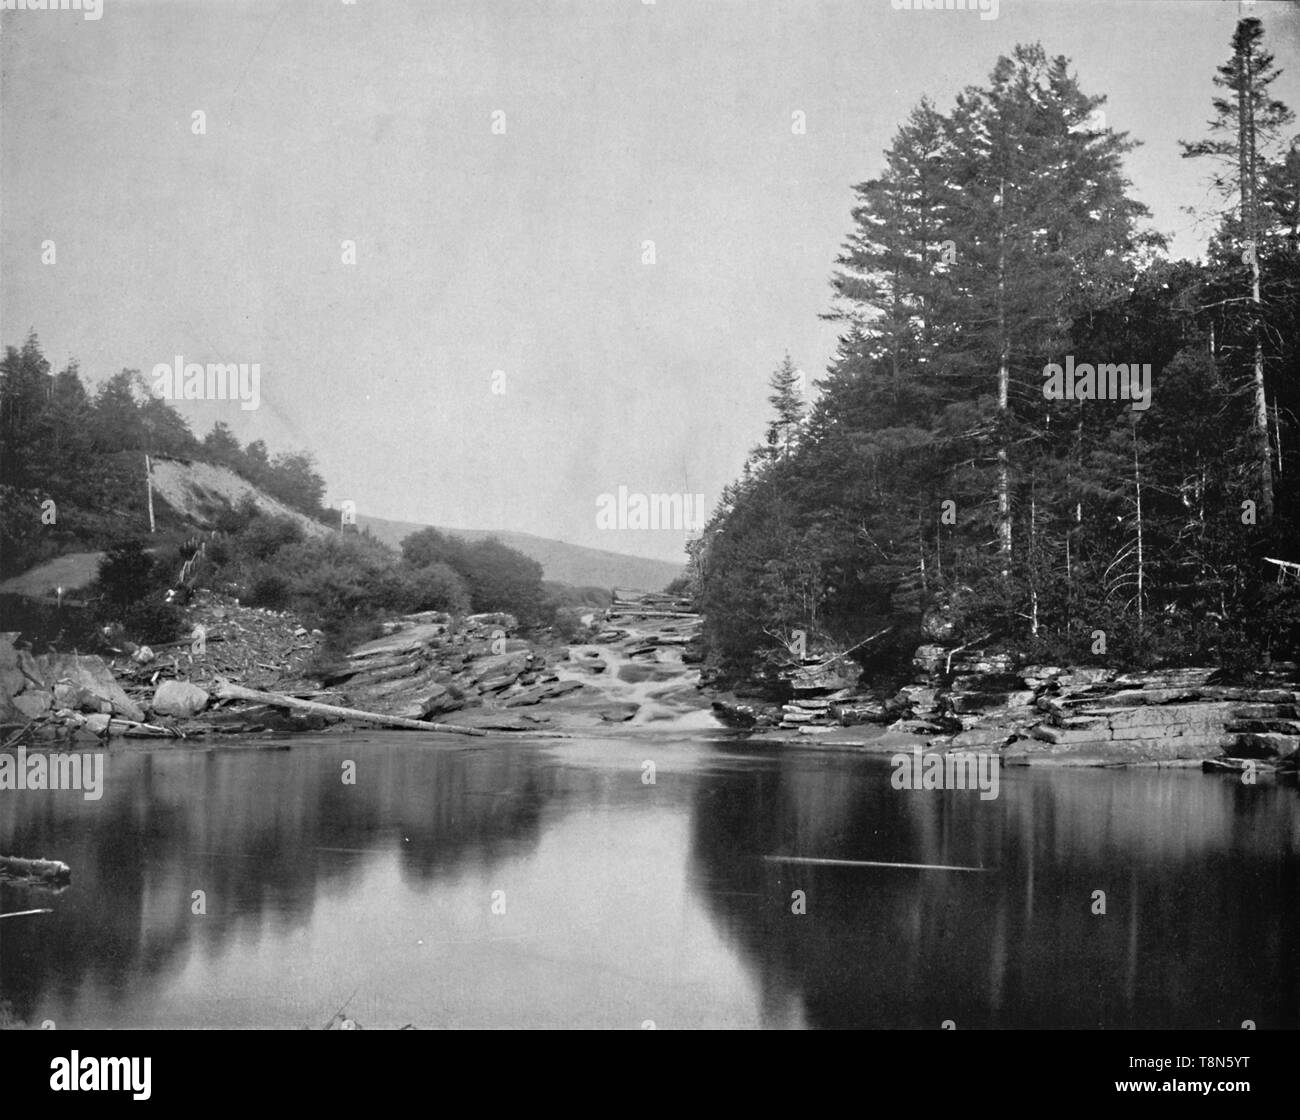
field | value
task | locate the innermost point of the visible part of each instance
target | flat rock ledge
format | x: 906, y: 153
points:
x: 1040, y: 715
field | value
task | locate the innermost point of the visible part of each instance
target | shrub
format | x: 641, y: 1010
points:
x: 568, y: 625
x: 235, y: 519
x: 265, y: 536
x: 126, y: 573
x: 435, y: 587
x: 269, y: 588
x: 152, y: 620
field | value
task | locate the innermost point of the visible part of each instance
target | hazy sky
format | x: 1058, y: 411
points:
x: 476, y: 251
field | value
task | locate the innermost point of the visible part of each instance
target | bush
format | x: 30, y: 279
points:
x: 683, y: 585
x: 435, y: 587
x: 126, y: 573
x: 269, y: 588
x: 236, y: 519
x: 43, y: 622
x: 568, y: 625
x: 504, y: 579
x: 340, y: 577
x: 265, y: 536
x: 152, y: 621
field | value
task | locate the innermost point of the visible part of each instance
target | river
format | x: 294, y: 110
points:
x: 566, y: 883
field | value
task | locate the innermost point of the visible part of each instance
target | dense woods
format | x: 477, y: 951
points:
x: 933, y: 487
x: 72, y: 479
x: 84, y: 451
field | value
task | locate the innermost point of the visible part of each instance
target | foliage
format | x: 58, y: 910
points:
x: 83, y: 452
x: 932, y: 472
x: 436, y: 587
x: 127, y: 572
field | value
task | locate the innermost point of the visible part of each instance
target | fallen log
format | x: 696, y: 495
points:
x: 637, y: 612
x: 18, y: 734
x: 134, y: 730
x: 50, y: 870
x: 228, y: 691
x: 947, y: 667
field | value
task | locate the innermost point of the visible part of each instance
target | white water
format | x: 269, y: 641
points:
x: 662, y: 688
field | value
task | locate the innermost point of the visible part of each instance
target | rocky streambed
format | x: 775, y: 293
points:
x: 978, y: 700
x: 635, y: 667
x: 632, y: 669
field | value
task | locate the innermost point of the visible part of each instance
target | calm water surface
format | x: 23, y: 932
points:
x: 626, y: 901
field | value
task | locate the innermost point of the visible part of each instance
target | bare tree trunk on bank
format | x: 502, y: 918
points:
x: 1004, y: 379
x: 1246, y: 171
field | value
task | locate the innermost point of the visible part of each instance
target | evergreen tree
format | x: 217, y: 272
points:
x: 1245, y: 134
x: 788, y: 407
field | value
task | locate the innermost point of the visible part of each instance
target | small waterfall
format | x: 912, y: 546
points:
x: 637, y: 665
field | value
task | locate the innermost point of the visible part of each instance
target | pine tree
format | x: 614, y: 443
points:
x: 1245, y: 130
x: 1045, y: 231
x: 787, y: 402
x: 25, y: 389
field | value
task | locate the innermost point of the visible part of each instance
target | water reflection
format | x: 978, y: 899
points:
x: 621, y: 901
x: 1198, y: 875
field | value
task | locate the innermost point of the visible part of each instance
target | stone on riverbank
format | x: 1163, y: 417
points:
x: 179, y: 699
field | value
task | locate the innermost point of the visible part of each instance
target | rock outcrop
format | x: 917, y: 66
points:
x: 58, y: 683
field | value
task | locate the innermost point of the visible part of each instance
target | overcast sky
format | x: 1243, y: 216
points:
x: 478, y: 251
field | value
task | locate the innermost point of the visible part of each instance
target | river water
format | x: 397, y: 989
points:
x: 501, y: 883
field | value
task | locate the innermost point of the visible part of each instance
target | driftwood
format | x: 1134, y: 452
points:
x: 228, y: 691
x: 18, y: 734
x: 49, y: 870
x: 132, y: 729
x: 947, y: 666
x: 818, y: 666
x: 815, y: 861
x: 25, y: 913
x: 643, y: 612
x: 872, y: 638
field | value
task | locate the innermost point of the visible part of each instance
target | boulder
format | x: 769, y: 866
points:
x: 491, y: 673
x: 852, y: 714
x: 179, y: 699
x: 929, y: 658
x: 442, y: 699
x: 74, y: 698
x: 33, y: 702
x: 735, y: 715
x: 11, y: 676
x: 90, y: 683
x: 32, y: 671
x: 917, y: 696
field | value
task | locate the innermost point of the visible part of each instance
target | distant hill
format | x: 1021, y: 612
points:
x: 199, y: 492
x: 562, y: 563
